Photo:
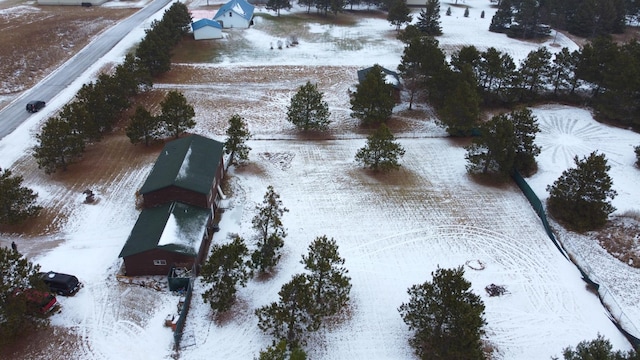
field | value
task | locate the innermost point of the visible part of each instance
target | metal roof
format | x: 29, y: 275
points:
x: 205, y: 22
x: 174, y: 227
x: 240, y: 7
x: 190, y: 163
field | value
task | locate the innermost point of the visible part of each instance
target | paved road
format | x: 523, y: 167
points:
x: 15, y: 114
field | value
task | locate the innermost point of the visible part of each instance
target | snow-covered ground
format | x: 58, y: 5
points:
x: 393, y: 231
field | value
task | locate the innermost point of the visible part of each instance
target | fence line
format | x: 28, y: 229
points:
x: 613, y: 307
x: 177, y: 334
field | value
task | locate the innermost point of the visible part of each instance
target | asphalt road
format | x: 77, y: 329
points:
x: 15, y: 113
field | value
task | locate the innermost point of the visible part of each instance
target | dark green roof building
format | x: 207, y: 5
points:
x: 187, y: 170
x: 171, y: 234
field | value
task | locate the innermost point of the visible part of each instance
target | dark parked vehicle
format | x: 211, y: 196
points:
x: 61, y: 284
x: 35, y: 106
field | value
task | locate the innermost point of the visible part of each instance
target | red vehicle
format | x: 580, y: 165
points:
x: 38, y: 301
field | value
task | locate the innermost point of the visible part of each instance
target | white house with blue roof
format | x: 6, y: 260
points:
x: 204, y: 29
x: 235, y: 14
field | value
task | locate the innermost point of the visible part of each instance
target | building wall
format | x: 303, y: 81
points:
x: 231, y: 19
x: 143, y: 263
x: 207, y: 32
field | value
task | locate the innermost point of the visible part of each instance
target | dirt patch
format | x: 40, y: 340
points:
x: 621, y: 238
x: 35, y: 40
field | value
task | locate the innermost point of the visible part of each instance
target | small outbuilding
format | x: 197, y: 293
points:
x: 235, y: 14
x: 205, y: 29
x: 188, y: 170
x: 171, y: 235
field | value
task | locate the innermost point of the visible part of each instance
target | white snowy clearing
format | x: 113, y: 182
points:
x: 392, y: 231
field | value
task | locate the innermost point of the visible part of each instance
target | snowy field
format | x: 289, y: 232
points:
x: 393, y: 230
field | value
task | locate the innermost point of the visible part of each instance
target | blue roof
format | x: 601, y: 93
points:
x: 240, y: 7
x: 205, y: 22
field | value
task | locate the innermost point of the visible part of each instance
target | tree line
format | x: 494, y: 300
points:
x: 99, y: 105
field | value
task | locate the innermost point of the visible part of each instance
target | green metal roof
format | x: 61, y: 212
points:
x: 189, y: 163
x: 173, y: 227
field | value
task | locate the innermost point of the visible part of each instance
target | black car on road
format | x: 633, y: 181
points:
x: 35, y: 106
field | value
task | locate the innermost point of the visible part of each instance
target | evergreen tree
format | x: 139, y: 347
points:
x: 330, y: 285
x: 525, y: 126
x: 501, y: 20
x: 271, y: 232
x: 429, y: 19
x: 289, y: 318
x: 446, y: 317
x: 58, y: 145
x: 154, y: 53
x: 277, y: 5
x: 372, y: 102
x: 381, y: 153
x: 482, y: 14
x: 18, y: 316
x: 223, y: 271
x: 237, y: 136
x: 308, y: 111
x: 494, y: 151
x: 17, y: 202
x: 563, y: 69
x: 448, y: 13
x: 460, y: 110
x: 526, y: 20
x: 177, y: 114
x: 637, y: 151
x: 143, y: 127
x: 534, y: 74
x: 399, y: 13
x: 496, y: 74
x: 580, y: 196
x: 280, y: 351
x: 466, y: 12
x: 597, y: 349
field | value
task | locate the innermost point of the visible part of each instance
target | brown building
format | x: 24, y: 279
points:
x: 181, y: 195
x: 188, y: 170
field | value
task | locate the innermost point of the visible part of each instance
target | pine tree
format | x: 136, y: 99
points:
x: 280, y: 351
x: 534, y: 74
x: 460, y: 110
x: 18, y: 317
x: 429, y: 19
x: 446, y: 317
x: 466, y: 12
x: 308, y: 111
x: 381, y: 153
x: 237, y: 136
x: 289, y: 318
x: 494, y: 151
x: 17, y: 202
x: 448, y: 13
x: 372, y: 103
x: 637, y: 151
x: 525, y: 126
x: 143, y: 127
x: 600, y: 349
x: 277, y: 5
x: 271, y: 232
x: 399, y: 13
x: 501, y: 20
x: 224, y: 270
x: 563, y: 69
x: 580, y: 196
x: 330, y: 285
x: 58, y: 145
x: 177, y: 115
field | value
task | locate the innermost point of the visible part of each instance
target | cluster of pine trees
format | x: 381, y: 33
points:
x: 601, y: 74
x: 99, y: 105
x: 586, y: 18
